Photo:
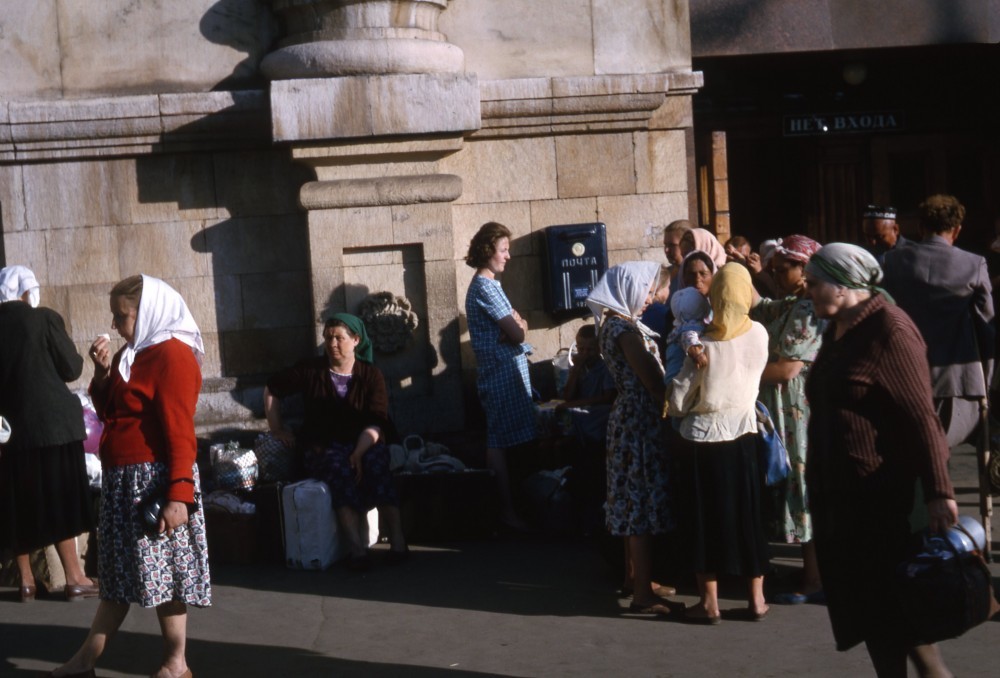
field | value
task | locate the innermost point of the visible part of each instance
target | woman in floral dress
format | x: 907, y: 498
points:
x: 794, y: 336
x: 636, y: 506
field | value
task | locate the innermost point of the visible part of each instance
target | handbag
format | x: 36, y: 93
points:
x: 149, y: 510
x: 233, y: 467
x: 274, y: 459
x: 944, y: 589
x: 771, y: 453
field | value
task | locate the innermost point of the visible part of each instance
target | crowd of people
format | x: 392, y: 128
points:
x: 870, y: 362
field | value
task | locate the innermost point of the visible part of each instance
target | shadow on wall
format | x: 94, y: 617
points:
x: 248, y: 26
x: 411, y: 370
x: 238, y: 203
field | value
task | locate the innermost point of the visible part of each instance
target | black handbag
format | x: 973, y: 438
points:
x: 943, y: 591
x: 149, y: 510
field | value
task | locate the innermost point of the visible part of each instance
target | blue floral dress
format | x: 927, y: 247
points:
x: 501, y: 367
x: 637, y: 501
x: 794, y: 333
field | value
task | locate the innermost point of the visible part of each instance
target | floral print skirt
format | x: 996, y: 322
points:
x: 150, y: 571
x: 333, y: 467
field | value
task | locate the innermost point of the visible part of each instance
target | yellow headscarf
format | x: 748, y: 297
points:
x: 731, y: 296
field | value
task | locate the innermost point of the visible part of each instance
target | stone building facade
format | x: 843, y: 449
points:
x: 278, y: 160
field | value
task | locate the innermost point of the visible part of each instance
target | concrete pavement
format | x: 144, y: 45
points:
x: 532, y: 606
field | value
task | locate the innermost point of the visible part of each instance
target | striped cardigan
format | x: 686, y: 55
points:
x: 873, y: 425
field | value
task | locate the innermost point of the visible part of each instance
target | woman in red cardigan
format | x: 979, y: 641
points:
x: 146, y: 396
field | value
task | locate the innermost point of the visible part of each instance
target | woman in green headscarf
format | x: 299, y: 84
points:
x: 873, y: 433
x: 345, y: 431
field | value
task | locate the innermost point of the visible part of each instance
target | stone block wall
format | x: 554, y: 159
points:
x: 270, y: 204
x: 558, y: 151
x: 215, y: 216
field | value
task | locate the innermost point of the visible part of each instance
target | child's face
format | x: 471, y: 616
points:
x: 587, y: 352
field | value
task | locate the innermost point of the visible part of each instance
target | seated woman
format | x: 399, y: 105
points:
x: 345, y: 431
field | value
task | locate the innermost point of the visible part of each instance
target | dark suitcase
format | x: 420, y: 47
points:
x: 270, y: 530
x: 232, y: 537
x: 448, y: 506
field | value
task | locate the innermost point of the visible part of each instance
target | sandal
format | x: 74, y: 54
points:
x: 702, y: 617
x: 658, y: 609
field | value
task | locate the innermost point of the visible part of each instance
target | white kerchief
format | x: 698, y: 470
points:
x: 623, y: 289
x: 15, y: 281
x: 162, y: 315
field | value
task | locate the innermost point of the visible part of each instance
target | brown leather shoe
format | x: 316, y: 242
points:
x: 76, y: 592
x: 28, y: 593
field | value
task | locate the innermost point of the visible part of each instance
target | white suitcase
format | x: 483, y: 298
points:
x: 312, y: 541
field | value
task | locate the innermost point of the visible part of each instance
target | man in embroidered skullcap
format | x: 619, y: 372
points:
x: 881, y: 232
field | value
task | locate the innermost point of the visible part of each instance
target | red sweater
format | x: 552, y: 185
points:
x: 151, y: 416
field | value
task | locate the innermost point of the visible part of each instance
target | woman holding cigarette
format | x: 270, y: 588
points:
x: 44, y: 493
x: 146, y: 395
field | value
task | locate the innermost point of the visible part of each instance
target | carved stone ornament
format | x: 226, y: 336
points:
x: 389, y: 319
x: 333, y: 38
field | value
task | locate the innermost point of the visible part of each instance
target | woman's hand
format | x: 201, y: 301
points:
x: 100, y: 354
x: 286, y: 437
x: 754, y: 263
x: 943, y: 513
x: 733, y: 254
x: 174, y: 514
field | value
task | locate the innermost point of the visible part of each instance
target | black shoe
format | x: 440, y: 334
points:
x: 394, y: 557
x: 361, y: 563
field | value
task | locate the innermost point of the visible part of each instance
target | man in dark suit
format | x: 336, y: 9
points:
x: 947, y: 292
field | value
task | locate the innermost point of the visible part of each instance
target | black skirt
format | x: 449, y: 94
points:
x: 44, y: 496
x: 717, y: 487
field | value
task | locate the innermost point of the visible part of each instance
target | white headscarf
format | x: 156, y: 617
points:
x: 15, y: 281
x: 162, y: 315
x: 623, y: 289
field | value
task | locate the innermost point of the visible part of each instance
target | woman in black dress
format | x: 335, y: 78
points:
x: 45, y: 497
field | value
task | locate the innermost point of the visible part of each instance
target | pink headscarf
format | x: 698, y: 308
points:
x: 798, y: 248
x: 710, y: 245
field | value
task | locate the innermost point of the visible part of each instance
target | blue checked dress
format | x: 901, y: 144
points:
x: 502, y: 368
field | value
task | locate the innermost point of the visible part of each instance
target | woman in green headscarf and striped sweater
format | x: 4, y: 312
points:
x: 346, y: 430
x: 872, y: 434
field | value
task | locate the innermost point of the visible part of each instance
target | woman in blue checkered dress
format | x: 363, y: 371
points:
x: 497, y: 334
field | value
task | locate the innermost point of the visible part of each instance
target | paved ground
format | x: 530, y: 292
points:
x: 501, y: 607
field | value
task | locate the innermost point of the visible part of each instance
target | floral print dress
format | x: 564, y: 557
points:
x: 795, y: 333
x: 637, y: 500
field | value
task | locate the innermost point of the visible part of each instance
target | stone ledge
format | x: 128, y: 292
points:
x: 374, y: 106
x: 573, y: 105
x: 131, y: 125
x: 402, y: 190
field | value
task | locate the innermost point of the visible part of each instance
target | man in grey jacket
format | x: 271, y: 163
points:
x: 947, y: 292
